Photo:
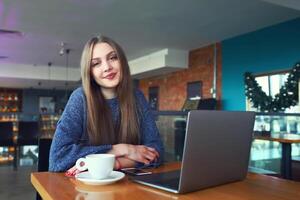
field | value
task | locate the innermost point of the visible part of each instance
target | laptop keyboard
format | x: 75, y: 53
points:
x: 169, y: 183
x: 166, y: 179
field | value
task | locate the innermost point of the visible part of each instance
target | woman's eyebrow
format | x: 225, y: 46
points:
x: 95, y: 59
x: 107, y: 55
x: 110, y: 53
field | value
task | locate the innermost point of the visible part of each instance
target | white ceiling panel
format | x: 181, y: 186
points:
x: 141, y: 27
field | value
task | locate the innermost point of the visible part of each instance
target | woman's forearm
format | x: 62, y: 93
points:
x: 123, y: 162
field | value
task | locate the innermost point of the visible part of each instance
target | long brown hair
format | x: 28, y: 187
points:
x: 100, y: 126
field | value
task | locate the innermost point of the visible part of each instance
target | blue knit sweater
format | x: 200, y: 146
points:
x: 70, y: 140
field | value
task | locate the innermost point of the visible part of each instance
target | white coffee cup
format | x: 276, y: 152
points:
x: 99, y: 166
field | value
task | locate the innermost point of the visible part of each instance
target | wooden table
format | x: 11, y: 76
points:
x: 57, y: 186
x: 286, y: 141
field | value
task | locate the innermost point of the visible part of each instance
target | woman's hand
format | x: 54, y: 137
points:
x: 72, y: 171
x: 139, y: 153
x: 142, y: 153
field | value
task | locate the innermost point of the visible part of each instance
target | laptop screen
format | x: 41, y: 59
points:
x: 216, y: 150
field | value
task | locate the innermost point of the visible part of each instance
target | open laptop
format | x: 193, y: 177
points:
x: 216, y: 151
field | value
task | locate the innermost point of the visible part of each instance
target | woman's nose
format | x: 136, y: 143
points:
x: 107, y: 66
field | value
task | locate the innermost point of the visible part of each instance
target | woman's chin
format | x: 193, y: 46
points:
x: 110, y: 85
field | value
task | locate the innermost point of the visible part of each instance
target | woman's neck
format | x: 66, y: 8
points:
x: 109, y: 93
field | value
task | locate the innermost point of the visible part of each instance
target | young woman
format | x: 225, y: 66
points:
x: 105, y: 115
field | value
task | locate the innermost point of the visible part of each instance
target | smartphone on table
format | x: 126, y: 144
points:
x: 135, y: 171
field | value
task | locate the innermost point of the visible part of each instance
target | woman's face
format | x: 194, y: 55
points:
x: 105, y: 67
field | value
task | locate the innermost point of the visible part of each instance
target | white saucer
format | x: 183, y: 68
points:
x: 87, y: 179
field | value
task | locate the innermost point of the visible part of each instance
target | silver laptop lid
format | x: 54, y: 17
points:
x: 217, y: 148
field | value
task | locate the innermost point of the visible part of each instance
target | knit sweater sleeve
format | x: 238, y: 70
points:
x: 148, y: 130
x: 67, y: 145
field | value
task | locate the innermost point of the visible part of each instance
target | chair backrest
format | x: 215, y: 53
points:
x: 28, y: 133
x: 43, y: 159
x: 44, y: 149
x: 207, y: 104
x: 6, y: 134
x: 179, y: 130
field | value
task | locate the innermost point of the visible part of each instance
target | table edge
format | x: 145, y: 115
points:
x: 39, y: 189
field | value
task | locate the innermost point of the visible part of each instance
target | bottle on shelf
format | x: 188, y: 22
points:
x: 10, y: 100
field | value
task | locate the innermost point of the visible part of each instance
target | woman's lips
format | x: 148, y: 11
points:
x: 110, y: 76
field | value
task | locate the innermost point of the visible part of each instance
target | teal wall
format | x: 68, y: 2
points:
x: 270, y: 49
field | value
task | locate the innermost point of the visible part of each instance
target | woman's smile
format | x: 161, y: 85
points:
x: 111, y: 76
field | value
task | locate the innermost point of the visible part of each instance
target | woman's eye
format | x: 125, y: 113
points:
x: 114, y: 57
x: 95, y: 63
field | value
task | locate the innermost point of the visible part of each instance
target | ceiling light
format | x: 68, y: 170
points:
x: 11, y: 32
x: 62, y: 49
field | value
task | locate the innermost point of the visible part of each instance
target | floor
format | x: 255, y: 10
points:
x: 15, y: 185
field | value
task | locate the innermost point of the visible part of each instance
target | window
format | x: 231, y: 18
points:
x: 46, y: 104
x: 153, y: 98
x: 194, y: 90
x: 265, y: 154
x: 271, y: 84
x: 136, y: 83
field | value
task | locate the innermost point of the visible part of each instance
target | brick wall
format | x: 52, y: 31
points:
x: 173, y: 86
